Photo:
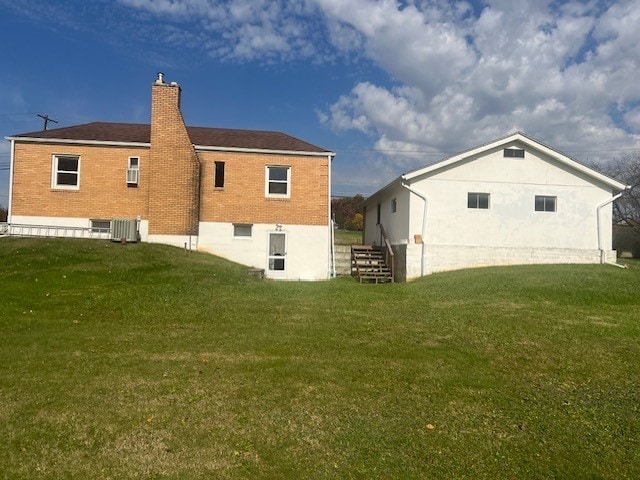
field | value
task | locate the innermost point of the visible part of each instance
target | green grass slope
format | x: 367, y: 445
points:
x: 141, y: 361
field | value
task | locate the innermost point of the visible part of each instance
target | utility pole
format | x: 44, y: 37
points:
x: 47, y: 119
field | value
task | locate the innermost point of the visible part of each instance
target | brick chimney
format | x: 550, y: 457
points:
x: 174, y: 166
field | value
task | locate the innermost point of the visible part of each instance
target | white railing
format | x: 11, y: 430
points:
x: 23, y: 230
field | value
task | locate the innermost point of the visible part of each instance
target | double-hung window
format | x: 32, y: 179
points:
x: 478, y: 200
x: 66, y: 172
x: 278, y: 181
x: 545, y: 203
x: 133, y: 171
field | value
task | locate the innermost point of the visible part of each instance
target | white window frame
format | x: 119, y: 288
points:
x: 95, y: 228
x: 514, y: 152
x: 133, y: 172
x: 545, y: 199
x: 235, y: 232
x: 477, y: 200
x: 268, y: 181
x: 54, y: 172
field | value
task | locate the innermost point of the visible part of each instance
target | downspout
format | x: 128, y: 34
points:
x: 423, y: 257
x: 603, y: 259
x: 332, y: 260
x: 10, y: 200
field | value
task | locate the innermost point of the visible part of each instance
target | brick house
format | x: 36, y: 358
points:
x: 258, y: 198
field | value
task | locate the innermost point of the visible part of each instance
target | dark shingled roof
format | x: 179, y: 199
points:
x: 202, y: 136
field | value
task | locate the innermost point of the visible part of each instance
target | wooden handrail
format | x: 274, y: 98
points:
x: 389, y: 255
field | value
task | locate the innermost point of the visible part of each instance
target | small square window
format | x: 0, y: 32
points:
x: 545, y: 203
x: 242, y: 230
x: 478, y: 200
x: 218, y: 175
x: 514, y: 152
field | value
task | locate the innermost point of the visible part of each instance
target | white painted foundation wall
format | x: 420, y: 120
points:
x: 307, y: 248
x: 307, y: 253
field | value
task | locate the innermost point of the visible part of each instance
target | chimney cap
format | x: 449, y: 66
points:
x: 160, y: 79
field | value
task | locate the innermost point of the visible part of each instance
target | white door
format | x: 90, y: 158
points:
x: 277, y: 259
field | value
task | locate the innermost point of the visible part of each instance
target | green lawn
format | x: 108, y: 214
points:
x: 141, y: 361
x: 347, y: 237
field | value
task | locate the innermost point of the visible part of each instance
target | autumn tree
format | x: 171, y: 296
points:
x: 345, y: 211
x: 3, y: 214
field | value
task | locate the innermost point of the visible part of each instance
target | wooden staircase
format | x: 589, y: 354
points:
x: 368, y: 264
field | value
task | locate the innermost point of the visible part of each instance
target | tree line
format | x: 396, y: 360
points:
x: 626, y: 209
x: 347, y: 212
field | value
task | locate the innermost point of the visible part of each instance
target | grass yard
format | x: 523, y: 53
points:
x: 141, y: 361
x: 347, y: 237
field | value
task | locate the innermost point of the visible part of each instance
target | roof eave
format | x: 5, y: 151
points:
x: 528, y: 141
x: 213, y: 148
x: 78, y: 142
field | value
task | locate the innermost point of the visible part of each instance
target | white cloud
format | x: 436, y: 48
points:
x: 555, y: 72
x: 452, y: 77
x: 242, y: 30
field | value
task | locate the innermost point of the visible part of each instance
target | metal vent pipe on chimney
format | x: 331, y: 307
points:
x: 160, y: 78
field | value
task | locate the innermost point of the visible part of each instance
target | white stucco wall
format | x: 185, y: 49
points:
x: 510, y: 231
x: 395, y: 223
x: 307, y: 248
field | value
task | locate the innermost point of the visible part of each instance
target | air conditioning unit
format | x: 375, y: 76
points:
x: 132, y: 176
x: 124, y: 228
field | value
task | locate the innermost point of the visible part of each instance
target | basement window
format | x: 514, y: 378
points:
x: 478, y: 200
x: 66, y: 172
x: 100, y: 226
x: 242, y: 230
x: 514, y: 153
x: 218, y: 175
x: 545, y: 203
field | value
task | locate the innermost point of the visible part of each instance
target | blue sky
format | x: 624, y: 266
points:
x: 387, y: 85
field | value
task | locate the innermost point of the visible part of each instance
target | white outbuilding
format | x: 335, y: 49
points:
x: 512, y: 201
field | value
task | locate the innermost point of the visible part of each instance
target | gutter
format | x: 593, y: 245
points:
x: 423, y: 256
x: 603, y: 257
